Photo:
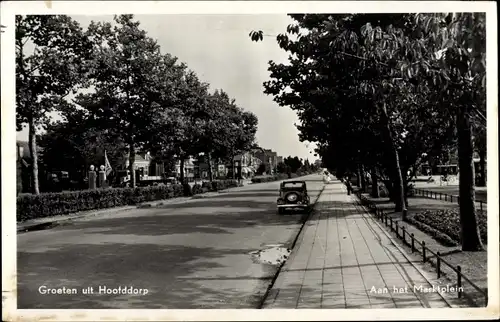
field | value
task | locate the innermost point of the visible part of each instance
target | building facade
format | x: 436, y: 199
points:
x: 269, y: 158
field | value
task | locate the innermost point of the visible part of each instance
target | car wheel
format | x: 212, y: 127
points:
x: 281, y: 211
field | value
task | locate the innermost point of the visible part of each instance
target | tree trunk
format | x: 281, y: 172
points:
x: 181, y: 177
x: 482, y: 168
x: 233, y: 167
x: 389, y: 186
x: 131, y: 162
x: 210, y: 173
x: 399, y: 191
x: 375, y: 191
x: 398, y: 188
x: 217, y: 162
x: 363, y: 179
x: 35, y: 189
x: 405, y: 186
x: 471, y: 240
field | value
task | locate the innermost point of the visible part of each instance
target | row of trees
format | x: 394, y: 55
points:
x: 289, y: 165
x: 383, y: 93
x: 116, y: 90
x: 292, y: 165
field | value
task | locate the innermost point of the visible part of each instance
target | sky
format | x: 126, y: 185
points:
x: 219, y: 50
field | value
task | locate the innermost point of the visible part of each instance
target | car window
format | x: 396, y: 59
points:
x: 296, y: 185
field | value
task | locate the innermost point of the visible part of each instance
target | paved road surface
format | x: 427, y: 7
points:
x: 192, y: 254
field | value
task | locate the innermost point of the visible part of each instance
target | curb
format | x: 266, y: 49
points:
x: 24, y: 228
x: 292, y: 246
x: 447, y: 298
x: 40, y: 226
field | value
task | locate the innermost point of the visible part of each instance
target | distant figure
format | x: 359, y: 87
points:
x: 92, y: 178
x: 348, y: 185
x: 102, y: 176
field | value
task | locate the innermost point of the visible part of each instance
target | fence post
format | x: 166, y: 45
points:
x: 459, y: 280
x: 458, y: 200
x: 412, y: 242
x: 451, y: 198
x: 390, y: 219
x: 397, y: 229
x: 445, y: 197
x: 423, y: 252
x: 440, y: 196
x: 404, y: 235
x: 481, y: 205
x: 438, y: 264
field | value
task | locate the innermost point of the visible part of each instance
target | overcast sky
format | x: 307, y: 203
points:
x: 219, y: 50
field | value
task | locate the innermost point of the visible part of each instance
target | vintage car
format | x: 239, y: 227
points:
x: 293, y: 194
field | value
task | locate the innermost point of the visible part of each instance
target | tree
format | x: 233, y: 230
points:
x: 281, y: 167
x: 294, y: 163
x: 126, y: 76
x: 191, y: 101
x: 462, y: 37
x: 48, y: 73
x: 227, y: 129
x: 451, y: 49
x: 75, y: 143
x: 320, y: 66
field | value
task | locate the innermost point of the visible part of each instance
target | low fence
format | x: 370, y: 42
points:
x: 444, y: 196
x: 419, y: 246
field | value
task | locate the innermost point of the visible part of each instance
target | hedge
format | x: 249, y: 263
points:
x: 60, y: 203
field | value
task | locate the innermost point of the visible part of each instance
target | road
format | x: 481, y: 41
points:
x: 199, y: 253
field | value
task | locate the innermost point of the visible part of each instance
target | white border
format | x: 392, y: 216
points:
x: 8, y: 11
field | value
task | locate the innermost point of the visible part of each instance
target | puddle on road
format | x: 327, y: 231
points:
x: 274, y: 254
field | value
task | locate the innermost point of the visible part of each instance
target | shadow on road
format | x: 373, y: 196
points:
x: 175, y: 277
x: 159, y: 222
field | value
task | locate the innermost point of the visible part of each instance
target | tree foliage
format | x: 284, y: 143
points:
x: 384, y: 92
x: 132, y: 97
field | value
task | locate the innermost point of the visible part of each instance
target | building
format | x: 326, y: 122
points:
x: 269, y: 158
x: 190, y: 168
x: 249, y: 163
x: 144, y: 162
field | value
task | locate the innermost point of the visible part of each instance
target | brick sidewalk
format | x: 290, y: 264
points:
x: 343, y: 259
